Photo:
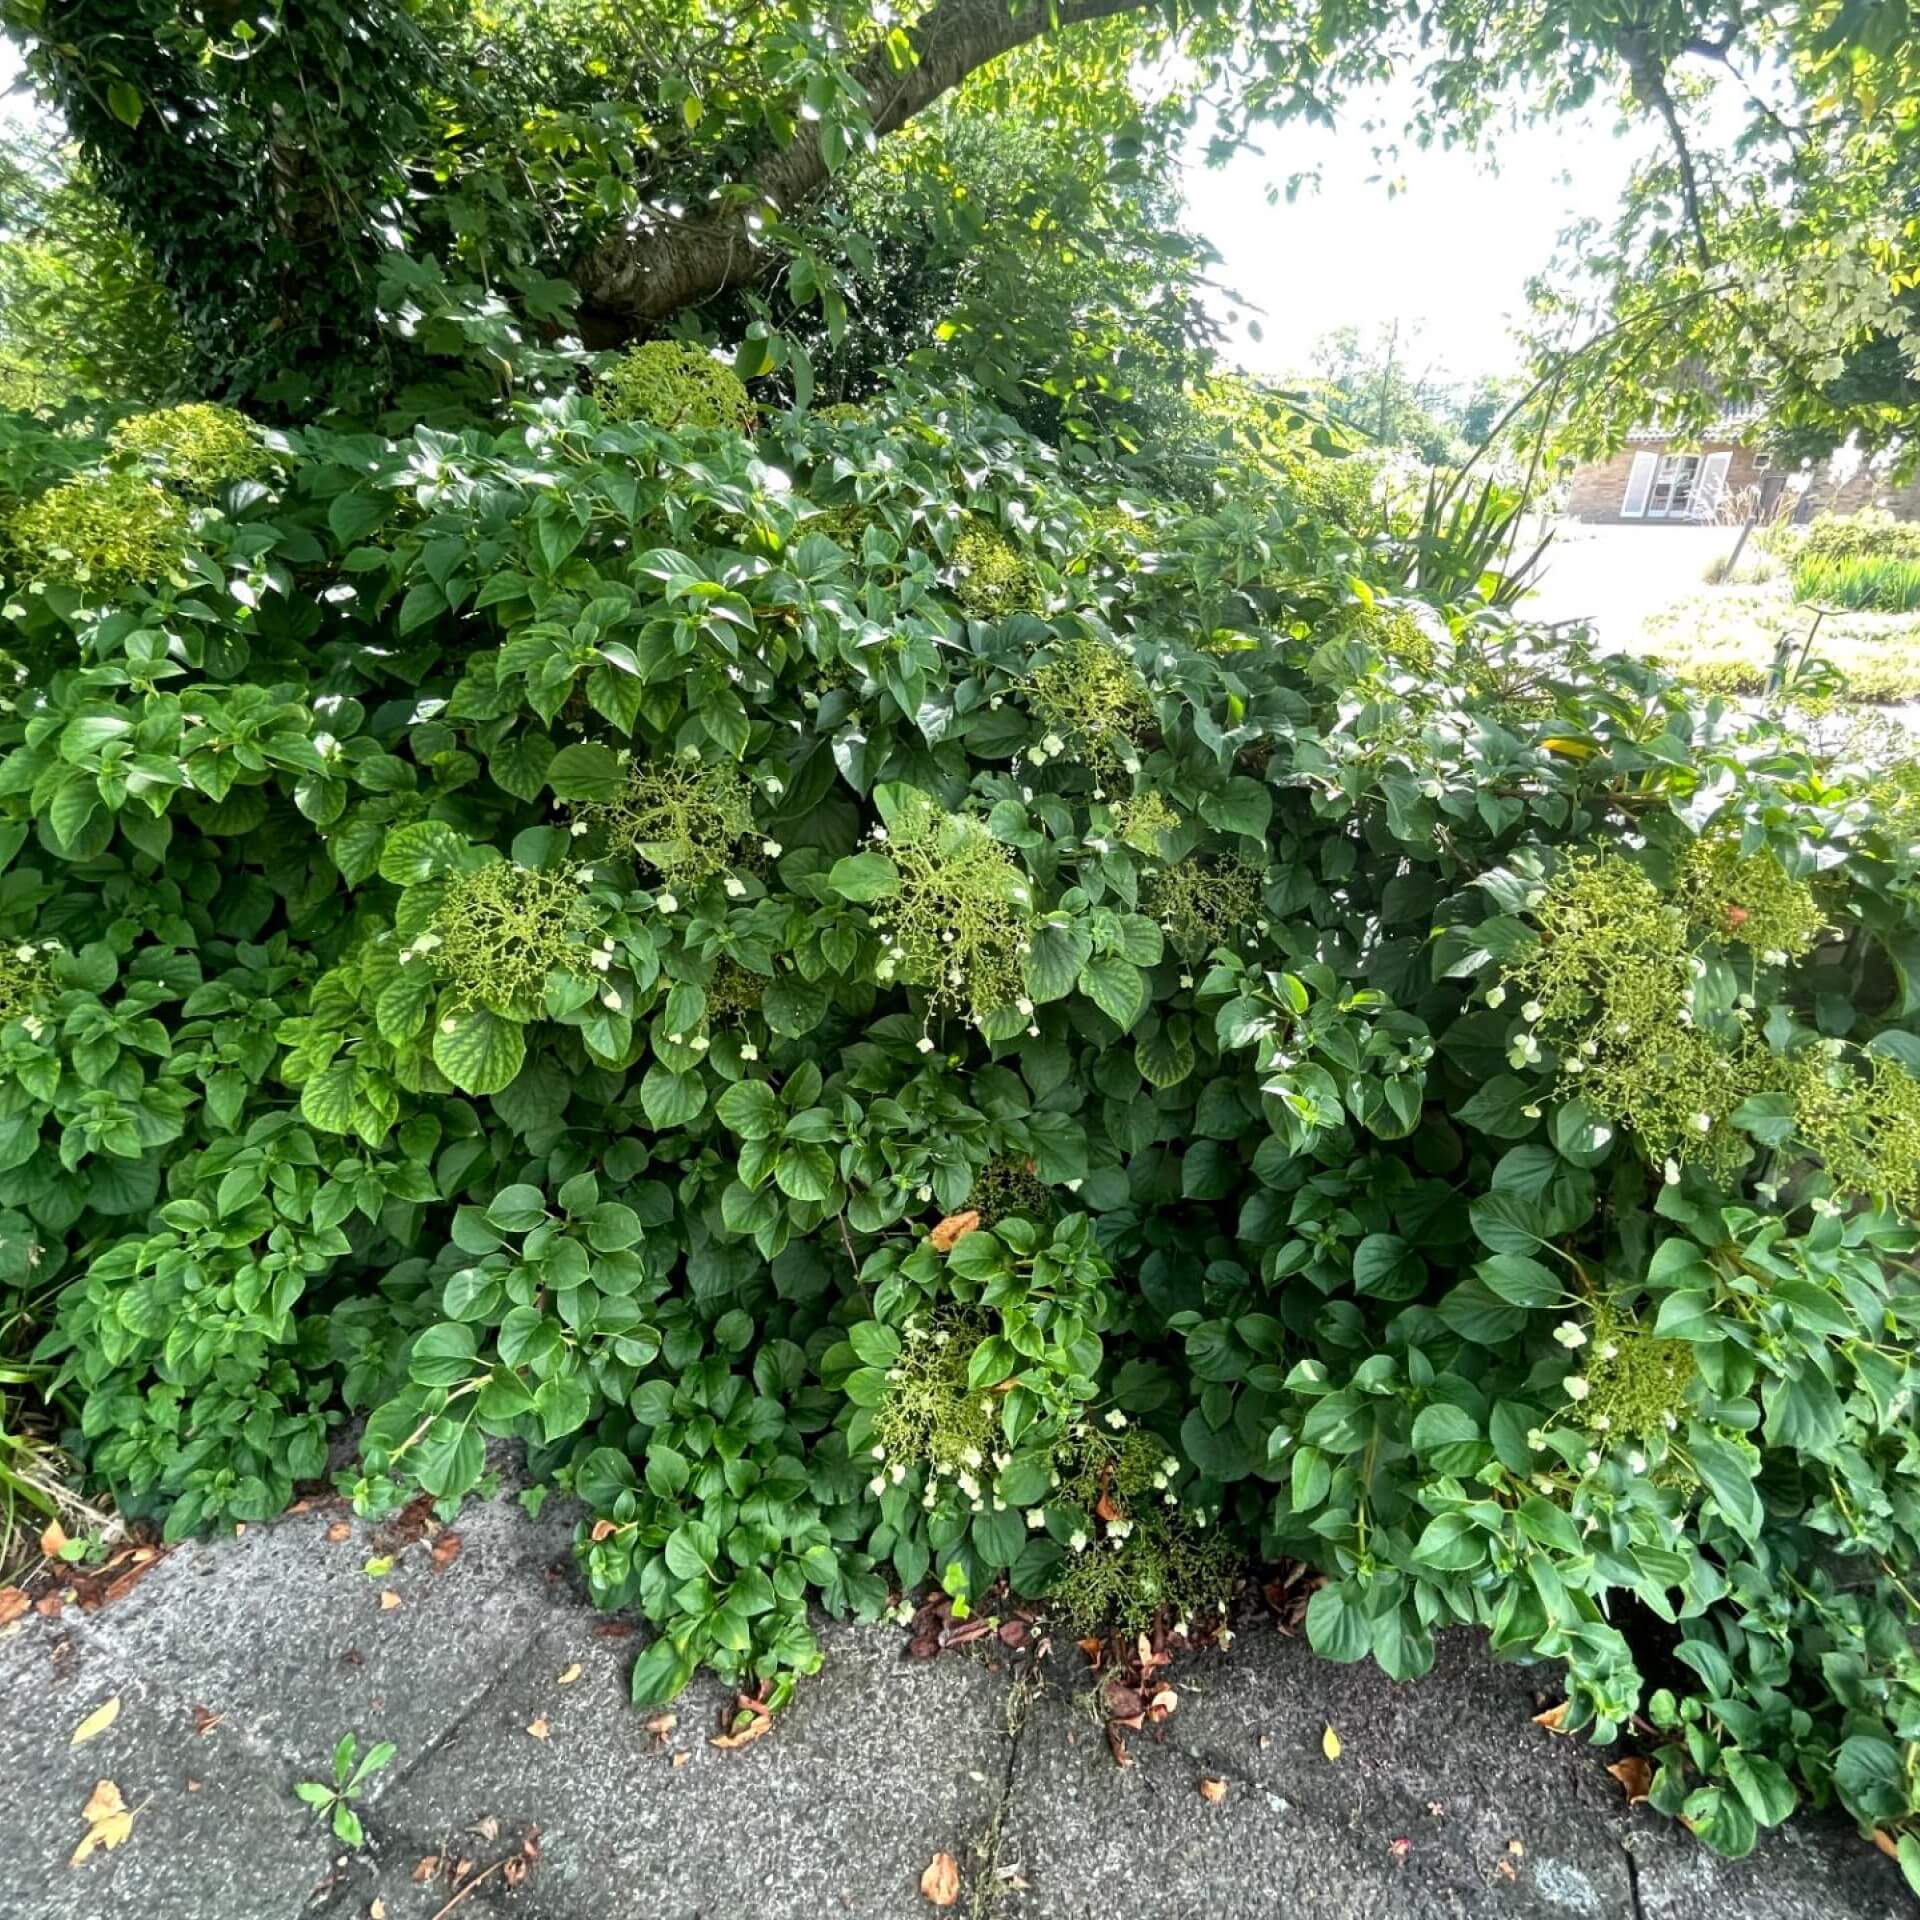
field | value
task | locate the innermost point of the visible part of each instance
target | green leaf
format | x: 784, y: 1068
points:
x: 443, y: 1355
x: 864, y: 876
x: 1337, y: 1626
x: 126, y: 106
x: 751, y: 1109
x: 1762, y: 1784
x: 478, y: 1050
x: 1116, y: 986
x: 586, y: 773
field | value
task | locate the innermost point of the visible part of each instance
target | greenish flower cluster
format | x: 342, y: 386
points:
x: 683, y: 817
x: 24, y: 979
x: 992, y: 577
x: 958, y: 921
x: 1749, y: 900
x: 1140, y: 1559
x: 732, y: 993
x: 501, y: 929
x: 1608, y: 985
x: 1636, y: 1384
x: 196, y: 447
x: 1864, y: 1124
x: 1205, y: 903
x: 1144, y: 820
x: 929, y: 1418
x: 106, y: 530
x: 668, y: 383
x: 1008, y: 1186
x: 1090, y: 705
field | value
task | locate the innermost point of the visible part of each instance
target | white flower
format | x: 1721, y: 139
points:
x: 1054, y: 744
x: 1603, y: 1422
x: 610, y: 1000
x: 1116, y: 1419
x: 736, y: 887
x: 772, y: 849
x: 748, y: 1051
x: 1703, y: 1123
x: 878, y: 834
x: 1532, y: 1010
x: 578, y: 828
x: 1532, y: 1111
x: 774, y: 784
x: 1536, y: 1439
x: 1576, y: 1387
x: 449, y: 1024
x: 1672, y: 1172
x: 667, y: 903
x: 1570, y: 1334
x: 879, y: 1453
x: 1496, y: 996
x: 1036, y: 1518
x: 1025, y: 1005
x: 897, y: 1472
x: 1186, y: 980
x: 924, y: 1043
x: 877, y: 1485
x: 1078, y: 1542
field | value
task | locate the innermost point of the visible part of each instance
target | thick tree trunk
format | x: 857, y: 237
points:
x: 633, y: 281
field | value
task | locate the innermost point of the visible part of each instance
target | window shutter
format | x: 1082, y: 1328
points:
x: 1639, y: 485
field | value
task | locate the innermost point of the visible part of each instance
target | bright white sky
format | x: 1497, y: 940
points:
x: 1452, y: 251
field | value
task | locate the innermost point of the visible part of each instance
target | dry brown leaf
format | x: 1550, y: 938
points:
x: 1635, y: 1775
x: 1552, y: 1718
x: 1330, y: 1744
x: 681, y: 1759
x: 514, y: 1871
x: 96, y: 1723
x: 193, y: 1785
x: 1518, y: 1848
x: 108, y: 1822
x: 572, y: 1674
x: 388, y: 1599
x: 604, y: 1529
x: 538, y: 1726
x: 952, y: 1230
x: 52, y: 1539
x: 205, y: 1720
x: 340, y: 1530
x: 1506, y: 1870
x: 378, y: 1911
x: 424, y: 1869
x: 1213, y: 1791
x: 940, y: 1884
x: 1887, y: 1844
x: 446, y: 1550
x: 13, y: 1603
x: 662, y: 1724
x: 759, y: 1721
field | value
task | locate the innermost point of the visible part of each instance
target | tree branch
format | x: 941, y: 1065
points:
x: 635, y: 279
x: 1650, y: 84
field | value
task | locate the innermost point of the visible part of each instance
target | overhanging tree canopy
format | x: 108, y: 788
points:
x: 633, y: 166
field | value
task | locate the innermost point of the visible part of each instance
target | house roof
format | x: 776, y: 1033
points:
x: 1730, y: 423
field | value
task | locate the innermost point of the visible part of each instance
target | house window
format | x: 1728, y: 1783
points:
x: 1673, y: 485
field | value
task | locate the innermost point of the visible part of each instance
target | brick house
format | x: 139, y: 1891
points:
x: 1665, y: 478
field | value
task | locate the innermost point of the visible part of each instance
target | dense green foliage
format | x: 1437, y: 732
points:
x: 893, y: 1014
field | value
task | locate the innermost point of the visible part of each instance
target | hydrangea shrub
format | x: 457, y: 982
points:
x: 893, y: 1012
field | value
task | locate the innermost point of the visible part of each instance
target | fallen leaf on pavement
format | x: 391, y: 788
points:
x: 681, y: 1759
x: 1330, y: 1744
x: 538, y: 1726
x: 757, y: 1721
x: 1552, y: 1719
x: 379, y: 1566
x: 1213, y: 1791
x: 388, y: 1600
x: 378, y: 1911
x: 340, y: 1530
x: 1886, y: 1843
x: 96, y: 1723
x: 205, y: 1720
x: 1636, y: 1775
x: 108, y: 1821
x: 1400, y: 1847
x: 662, y: 1724
x: 424, y: 1869
x: 446, y: 1550
x: 572, y: 1674
x: 52, y: 1539
x: 949, y: 1233
x: 941, y: 1881
x: 13, y: 1603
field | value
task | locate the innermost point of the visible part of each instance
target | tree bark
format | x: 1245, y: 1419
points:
x: 632, y: 281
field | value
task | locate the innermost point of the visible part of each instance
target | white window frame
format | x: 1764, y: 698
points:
x: 1674, y: 482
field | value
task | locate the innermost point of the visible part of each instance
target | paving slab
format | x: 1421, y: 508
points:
x: 1445, y: 1801
x: 881, y: 1763
x: 507, y: 1698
